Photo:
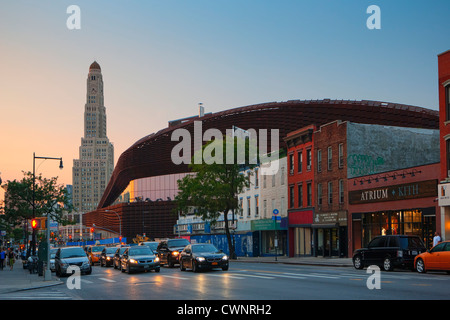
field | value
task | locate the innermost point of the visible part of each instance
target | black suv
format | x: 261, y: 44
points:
x: 389, y: 252
x: 168, y: 251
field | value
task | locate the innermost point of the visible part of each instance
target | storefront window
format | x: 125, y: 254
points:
x: 408, y: 222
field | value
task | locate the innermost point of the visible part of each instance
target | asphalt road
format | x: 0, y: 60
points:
x: 248, y: 282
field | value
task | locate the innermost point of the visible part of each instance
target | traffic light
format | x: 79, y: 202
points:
x: 92, y: 230
x: 34, y: 224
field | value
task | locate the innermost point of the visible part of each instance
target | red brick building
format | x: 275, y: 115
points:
x: 301, y: 198
x: 444, y: 127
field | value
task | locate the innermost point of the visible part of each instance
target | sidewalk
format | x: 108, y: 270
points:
x: 313, y: 261
x: 21, y: 279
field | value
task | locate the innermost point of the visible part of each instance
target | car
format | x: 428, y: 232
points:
x: 71, y: 256
x: 169, y: 250
x: 202, y: 256
x: 389, y: 252
x: 437, y: 258
x: 107, y: 256
x: 93, y: 253
x: 118, y: 255
x: 153, y: 245
x: 52, y: 259
x: 139, y: 258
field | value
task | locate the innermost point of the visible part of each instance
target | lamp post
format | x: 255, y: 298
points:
x: 48, y: 272
x: 120, y: 225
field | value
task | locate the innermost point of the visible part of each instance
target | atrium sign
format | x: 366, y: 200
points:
x: 415, y: 190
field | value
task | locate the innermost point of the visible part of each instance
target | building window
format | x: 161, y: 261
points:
x: 299, y: 161
x: 308, y: 159
x: 309, y: 194
x: 330, y: 192
x: 300, y: 195
x: 291, y: 164
x: 319, y: 160
x: 341, y: 155
x: 291, y: 196
x: 319, y: 194
x: 256, y: 178
x: 265, y: 208
x: 447, y: 143
x: 256, y: 205
x: 447, y: 102
x: 341, y: 191
x: 249, y: 212
x: 330, y: 157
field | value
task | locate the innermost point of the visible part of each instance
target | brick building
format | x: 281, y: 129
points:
x: 444, y: 127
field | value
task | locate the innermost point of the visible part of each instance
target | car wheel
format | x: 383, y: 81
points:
x: 387, y: 264
x: 357, y: 262
x: 420, y: 266
x: 194, y: 267
x: 225, y: 268
x: 157, y: 269
x: 181, y: 266
x: 90, y: 271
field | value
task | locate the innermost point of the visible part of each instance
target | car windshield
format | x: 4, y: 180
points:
x: 151, y: 245
x: 177, y: 243
x: 139, y: 251
x: 411, y: 242
x: 110, y: 250
x: 204, y: 248
x: 122, y: 250
x: 97, y: 249
x: 72, y: 253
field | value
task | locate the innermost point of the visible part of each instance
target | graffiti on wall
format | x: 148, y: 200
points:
x: 361, y: 164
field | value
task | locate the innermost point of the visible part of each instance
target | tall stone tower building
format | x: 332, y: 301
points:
x: 92, y: 171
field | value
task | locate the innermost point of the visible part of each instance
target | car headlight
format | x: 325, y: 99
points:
x: 85, y: 263
x: 175, y: 253
x: 133, y: 261
x: 108, y: 258
x: 225, y: 258
x: 200, y: 259
x: 156, y: 259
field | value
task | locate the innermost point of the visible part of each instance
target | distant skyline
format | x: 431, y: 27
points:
x: 159, y: 59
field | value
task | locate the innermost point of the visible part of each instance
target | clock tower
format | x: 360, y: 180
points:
x: 92, y: 171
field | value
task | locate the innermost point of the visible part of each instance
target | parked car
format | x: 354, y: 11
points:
x: 201, y: 256
x: 153, y: 245
x: 52, y: 258
x: 93, y: 253
x: 437, y: 258
x: 169, y: 250
x: 139, y: 258
x: 389, y: 252
x: 71, y: 256
x: 117, y: 256
x: 107, y: 256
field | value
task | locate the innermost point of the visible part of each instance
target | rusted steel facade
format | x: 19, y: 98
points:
x: 151, y: 155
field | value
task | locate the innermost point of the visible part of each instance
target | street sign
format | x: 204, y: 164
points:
x: 275, y: 211
x: 276, y: 218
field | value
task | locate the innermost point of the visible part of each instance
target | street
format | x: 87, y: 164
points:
x: 247, y: 281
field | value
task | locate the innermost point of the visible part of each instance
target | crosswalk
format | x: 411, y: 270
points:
x: 40, y: 294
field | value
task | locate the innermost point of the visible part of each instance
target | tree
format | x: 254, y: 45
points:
x: 213, y: 187
x: 50, y: 199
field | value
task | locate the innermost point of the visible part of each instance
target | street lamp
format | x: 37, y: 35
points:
x: 48, y: 272
x: 120, y: 225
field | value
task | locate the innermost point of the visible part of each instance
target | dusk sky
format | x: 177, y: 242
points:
x: 159, y: 59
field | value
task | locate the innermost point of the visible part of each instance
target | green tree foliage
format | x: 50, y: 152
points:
x: 50, y: 199
x: 213, y: 187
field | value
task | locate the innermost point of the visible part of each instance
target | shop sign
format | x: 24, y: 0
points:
x: 331, y: 218
x: 444, y: 194
x: 415, y: 190
x: 265, y: 225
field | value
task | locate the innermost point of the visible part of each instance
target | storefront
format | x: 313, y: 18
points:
x: 330, y: 234
x: 393, y: 203
x: 271, y: 236
x: 300, y: 233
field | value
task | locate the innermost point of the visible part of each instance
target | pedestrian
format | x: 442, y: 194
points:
x: 2, y: 258
x: 436, y: 239
x: 11, y: 257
